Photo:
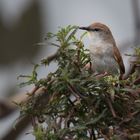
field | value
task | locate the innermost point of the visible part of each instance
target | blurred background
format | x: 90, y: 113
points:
x: 24, y: 23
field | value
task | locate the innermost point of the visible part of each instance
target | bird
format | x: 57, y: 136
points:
x: 104, y: 54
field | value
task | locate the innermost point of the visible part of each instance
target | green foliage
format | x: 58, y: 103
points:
x: 39, y: 133
x: 32, y: 78
x: 77, y: 105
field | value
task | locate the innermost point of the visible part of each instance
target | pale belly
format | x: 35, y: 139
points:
x: 104, y: 62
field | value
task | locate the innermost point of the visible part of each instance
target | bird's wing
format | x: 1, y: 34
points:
x: 118, y: 58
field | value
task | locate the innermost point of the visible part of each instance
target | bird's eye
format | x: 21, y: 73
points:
x: 96, y: 29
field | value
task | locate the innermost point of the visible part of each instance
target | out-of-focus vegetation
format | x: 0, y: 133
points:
x: 17, y: 43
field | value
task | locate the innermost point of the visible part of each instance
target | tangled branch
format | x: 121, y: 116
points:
x: 78, y: 105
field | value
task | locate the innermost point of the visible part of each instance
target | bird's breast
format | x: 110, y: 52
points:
x: 102, y: 58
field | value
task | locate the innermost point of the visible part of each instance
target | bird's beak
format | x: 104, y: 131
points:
x: 85, y: 28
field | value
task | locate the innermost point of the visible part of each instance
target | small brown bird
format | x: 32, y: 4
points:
x: 105, y: 56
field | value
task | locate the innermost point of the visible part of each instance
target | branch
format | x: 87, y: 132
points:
x: 15, y: 132
x: 26, y: 120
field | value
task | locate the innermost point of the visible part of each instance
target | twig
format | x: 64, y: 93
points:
x: 15, y: 132
x: 34, y: 90
x: 6, y: 108
x: 129, y: 119
x: 92, y: 134
x: 75, y: 92
x: 104, y: 136
x: 49, y: 58
x: 26, y: 120
x: 68, y: 117
x: 111, y: 107
x: 137, y: 81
